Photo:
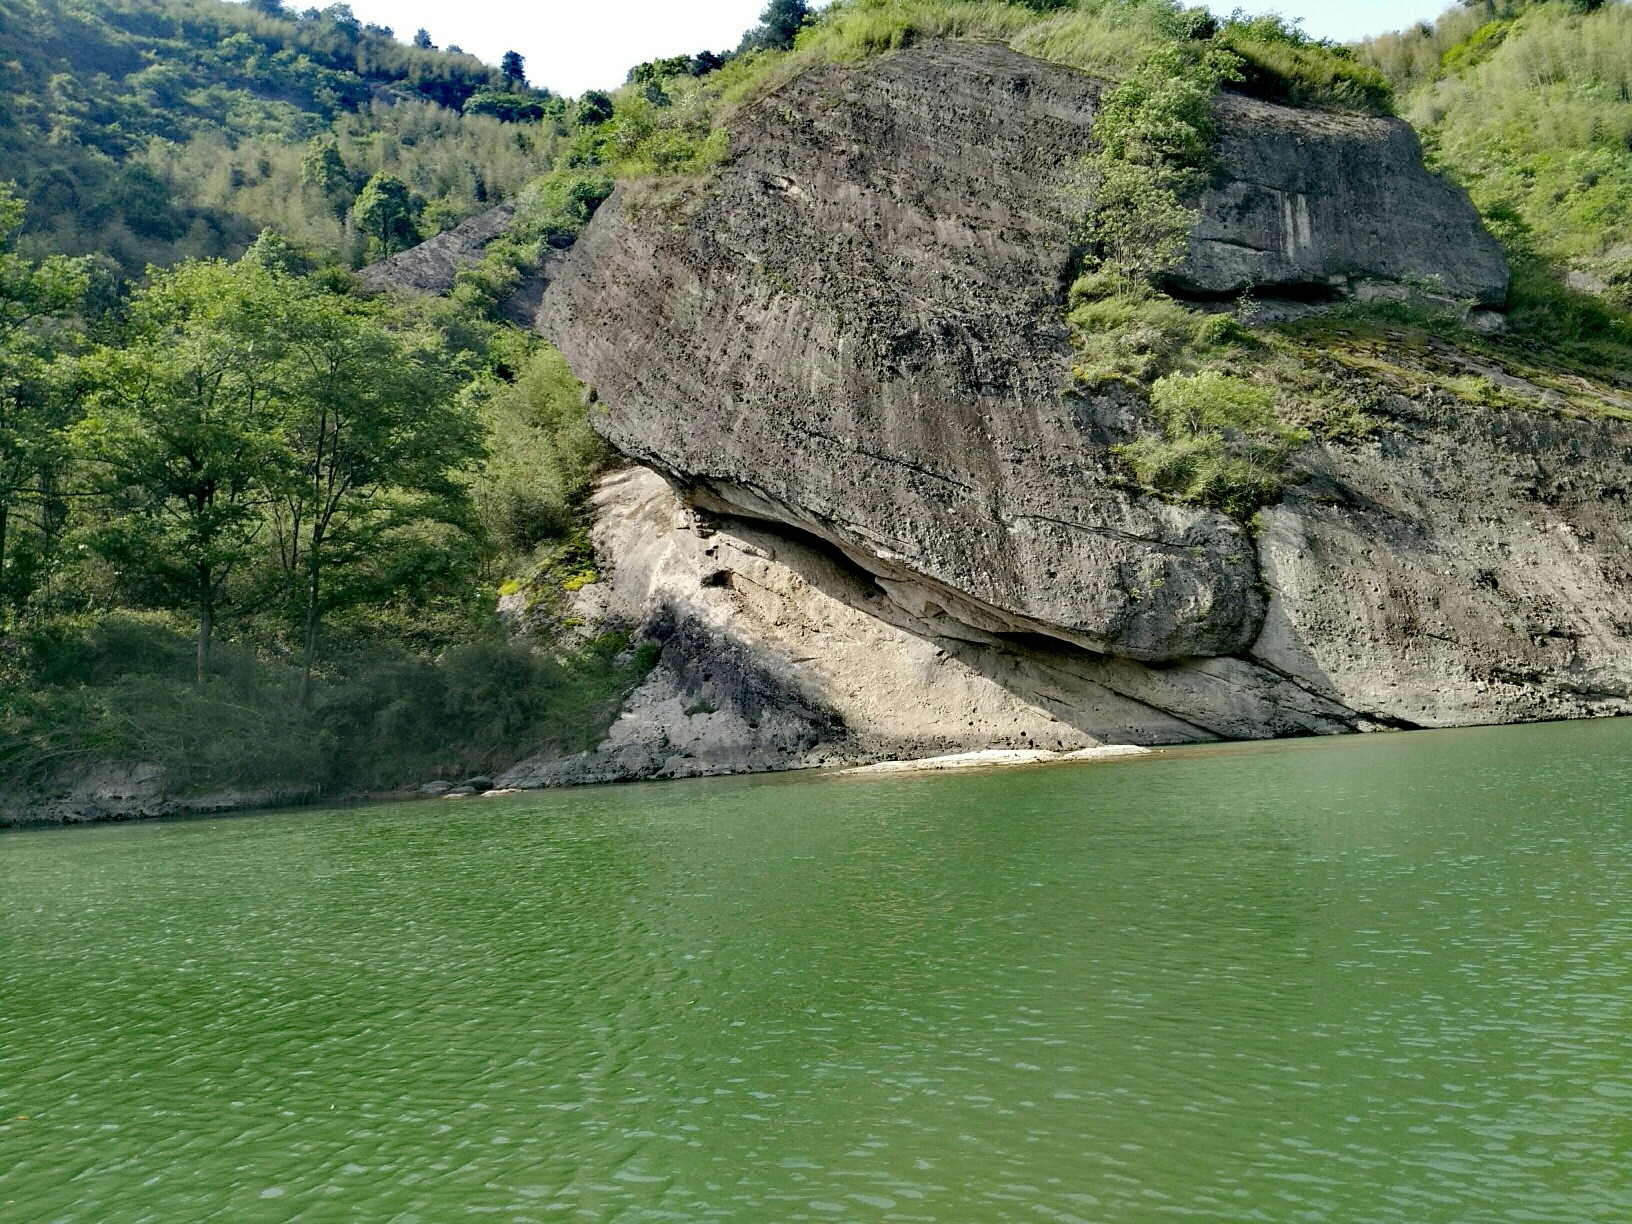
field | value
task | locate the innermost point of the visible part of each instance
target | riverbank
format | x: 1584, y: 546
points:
x: 999, y: 759
x: 103, y: 718
x: 111, y: 794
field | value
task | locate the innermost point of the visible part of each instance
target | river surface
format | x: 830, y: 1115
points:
x: 1373, y: 979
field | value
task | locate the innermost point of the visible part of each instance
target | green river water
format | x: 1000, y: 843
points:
x: 1373, y: 979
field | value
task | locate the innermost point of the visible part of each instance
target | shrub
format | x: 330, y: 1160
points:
x: 1124, y: 330
x: 1128, y: 337
x: 1155, y: 133
x: 1281, y: 64
x: 594, y: 108
x: 1223, y: 446
x: 1211, y: 402
x: 542, y: 454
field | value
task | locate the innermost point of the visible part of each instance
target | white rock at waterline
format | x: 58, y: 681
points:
x: 998, y: 758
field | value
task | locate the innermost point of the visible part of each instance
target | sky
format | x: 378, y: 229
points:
x: 571, y: 45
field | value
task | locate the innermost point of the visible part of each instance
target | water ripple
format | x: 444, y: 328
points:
x: 1383, y: 979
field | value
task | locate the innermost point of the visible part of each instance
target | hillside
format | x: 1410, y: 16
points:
x: 1529, y: 105
x: 150, y: 132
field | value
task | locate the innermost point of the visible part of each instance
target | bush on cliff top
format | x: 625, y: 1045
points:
x: 1104, y: 37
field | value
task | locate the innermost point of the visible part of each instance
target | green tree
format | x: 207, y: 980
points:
x: 37, y: 382
x: 1155, y: 133
x: 183, y: 433
x: 594, y: 109
x: 142, y: 199
x: 505, y: 105
x: 422, y: 39
x: 377, y: 445
x: 513, y: 68
x: 1137, y: 223
x: 779, y: 25
x: 384, y: 212
x: 324, y: 167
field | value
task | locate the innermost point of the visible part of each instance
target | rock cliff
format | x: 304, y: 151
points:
x: 432, y: 266
x: 850, y: 360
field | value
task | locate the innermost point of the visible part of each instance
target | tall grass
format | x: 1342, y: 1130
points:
x: 1105, y: 38
x: 1415, y: 54
x: 1532, y: 112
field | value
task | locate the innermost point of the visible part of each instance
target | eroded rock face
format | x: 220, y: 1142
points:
x: 850, y: 362
x: 779, y: 654
x: 92, y: 791
x: 1309, y: 199
x: 1464, y: 566
x: 432, y: 266
x: 859, y: 334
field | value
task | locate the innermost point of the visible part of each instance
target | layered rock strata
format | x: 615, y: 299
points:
x: 859, y: 333
x: 849, y: 359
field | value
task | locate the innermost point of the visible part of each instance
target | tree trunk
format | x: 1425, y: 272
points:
x: 311, y: 633
x: 206, y: 626
x: 4, y: 511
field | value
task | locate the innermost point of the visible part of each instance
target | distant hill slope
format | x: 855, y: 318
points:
x: 1529, y: 105
x: 149, y: 132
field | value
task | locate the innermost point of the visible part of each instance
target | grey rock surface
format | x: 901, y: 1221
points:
x: 92, y: 791
x: 1306, y: 198
x: 779, y: 653
x: 858, y: 334
x: 1465, y: 566
x: 431, y: 266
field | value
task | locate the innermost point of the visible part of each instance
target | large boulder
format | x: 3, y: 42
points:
x: 908, y: 531
x: 859, y: 334
x: 1306, y: 202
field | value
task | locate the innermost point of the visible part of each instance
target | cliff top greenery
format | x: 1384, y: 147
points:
x: 672, y: 116
x: 1106, y: 38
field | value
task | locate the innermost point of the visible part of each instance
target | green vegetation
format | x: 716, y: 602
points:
x: 1278, y: 63
x: 1229, y: 403
x: 115, y: 686
x: 148, y: 132
x: 254, y: 530
x: 542, y: 453
x: 1104, y: 37
x: 1529, y: 105
x: 1221, y: 443
x: 1155, y: 134
x: 1224, y: 444
x: 1526, y: 103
